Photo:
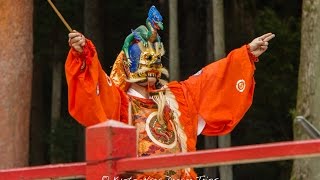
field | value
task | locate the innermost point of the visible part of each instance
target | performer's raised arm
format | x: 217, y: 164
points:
x: 92, y: 96
x: 222, y: 92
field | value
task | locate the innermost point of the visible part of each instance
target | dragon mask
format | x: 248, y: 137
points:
x: 141, y: 54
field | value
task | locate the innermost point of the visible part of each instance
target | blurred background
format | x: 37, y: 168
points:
x: 33, y: 71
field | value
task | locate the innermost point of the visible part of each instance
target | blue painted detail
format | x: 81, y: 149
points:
x: 136, y: 35
x: 154, y: 16
x: 134, y: 54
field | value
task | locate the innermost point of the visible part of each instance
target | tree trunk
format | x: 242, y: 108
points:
x: 308, y: 99
x: 225, y: 171
x: 93, y: 25
x: 95, y: 30
x: 39, y: 124
x: 56, y: 91
x: 218, y: 29
x: 174, y: 61
x: 210, y: 142
x: 57, y: 70
x: 15, y: 91
x: 240, y: 18
x: 218, y: 53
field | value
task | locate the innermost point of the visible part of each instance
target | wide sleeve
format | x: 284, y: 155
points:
x: 222, y: 92
x: 92, y: 96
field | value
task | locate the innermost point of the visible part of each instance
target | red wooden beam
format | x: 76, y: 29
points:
x: 111, y: 149
x: 224, y: 156
x: 46, y: 171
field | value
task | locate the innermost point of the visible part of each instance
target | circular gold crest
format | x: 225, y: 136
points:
x: 163, y: 135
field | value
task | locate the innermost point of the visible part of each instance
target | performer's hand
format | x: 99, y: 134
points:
x: 77, y: 41
x: 260, y: 44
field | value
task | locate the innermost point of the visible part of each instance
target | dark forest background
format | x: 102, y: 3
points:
x: 268, y: 120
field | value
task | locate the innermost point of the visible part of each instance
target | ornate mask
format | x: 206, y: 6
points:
x: 145, y: 62
x: 141, y: 55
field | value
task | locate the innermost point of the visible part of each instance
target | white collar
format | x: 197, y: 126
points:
x: 135, y: 93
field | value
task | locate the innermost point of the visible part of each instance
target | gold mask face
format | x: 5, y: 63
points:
x: 149, y: 64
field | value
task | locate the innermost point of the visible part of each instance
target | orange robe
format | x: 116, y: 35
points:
x: 220, y: 93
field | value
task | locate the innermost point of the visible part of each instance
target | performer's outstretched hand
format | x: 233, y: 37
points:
x: 260, y: 44
x: 76, y: 41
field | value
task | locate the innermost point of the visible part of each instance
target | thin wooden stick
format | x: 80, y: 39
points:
x: 60, y: 16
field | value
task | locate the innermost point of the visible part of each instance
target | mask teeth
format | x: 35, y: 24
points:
x: 151, y: 74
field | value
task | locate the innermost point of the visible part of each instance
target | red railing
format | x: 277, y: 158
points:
x: 111, y: 150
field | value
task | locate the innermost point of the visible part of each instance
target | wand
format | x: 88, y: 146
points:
x: 60, y: 16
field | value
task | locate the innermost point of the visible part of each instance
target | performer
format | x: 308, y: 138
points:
x: 168, y: 116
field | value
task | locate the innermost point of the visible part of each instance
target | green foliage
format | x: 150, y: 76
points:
x: 276, y: 77
x: 277, y: 74
x: 270, y: 116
